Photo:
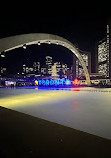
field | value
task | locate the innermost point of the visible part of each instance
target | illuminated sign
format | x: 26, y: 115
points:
x: 53, y: 82
x: 36, y: 83
x: 10, y: 83
x: 76, y: 82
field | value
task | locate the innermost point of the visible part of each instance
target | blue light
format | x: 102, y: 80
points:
x: 62, y: 81
x: 43, y: 82
x: 40, y: 82
x: 67, y: 82
x: 54, y: 82
x: 47, y: 82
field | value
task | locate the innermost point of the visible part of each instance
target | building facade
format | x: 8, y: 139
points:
x: 36, y: 67
x: 103, y: 57
x: 79, y: 69
x: 49, y: 65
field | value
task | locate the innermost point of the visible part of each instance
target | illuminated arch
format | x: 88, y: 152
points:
x: 17, y: 41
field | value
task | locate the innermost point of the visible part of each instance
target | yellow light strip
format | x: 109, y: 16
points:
x: 35, y: 98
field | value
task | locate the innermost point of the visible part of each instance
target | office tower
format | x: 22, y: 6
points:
x: 49, y: 65
x: 64, y: 70
x: 36, y: 67
x: 109, y: 44
x: 58, y: 67
x: 79, y: 69
x: 61, y: 69
x: 103, y: 56
x: 24, y: 68
x: 27, y: 69
x: 43, y: 71
x: 54, y: 71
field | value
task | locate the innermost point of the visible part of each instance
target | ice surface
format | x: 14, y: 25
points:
x: 87, y: 110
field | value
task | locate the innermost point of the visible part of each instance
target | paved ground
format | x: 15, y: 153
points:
x: 25, y: 136
x: 87, y: 109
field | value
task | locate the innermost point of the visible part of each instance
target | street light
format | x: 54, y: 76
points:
x: 24, y: 46
x: 39, y: 43
x: 49, y: 42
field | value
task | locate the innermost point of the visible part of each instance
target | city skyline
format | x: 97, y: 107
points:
x: 16, y: 58
x: 37, y: 68
x: 34, y: 66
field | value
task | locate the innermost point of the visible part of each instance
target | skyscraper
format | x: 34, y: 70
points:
x: 87, y: 59
x: 54, y: 71
x: 103, y: 56
x: 49, y: 65
x: 36, y: 67
x: 109, y: 45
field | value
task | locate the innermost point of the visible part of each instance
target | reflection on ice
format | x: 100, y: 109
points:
x: 86, y: 109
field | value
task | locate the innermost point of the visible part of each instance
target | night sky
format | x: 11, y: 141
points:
x: 83, y: 27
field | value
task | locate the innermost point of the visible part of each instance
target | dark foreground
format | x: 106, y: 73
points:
x: 24, y: 136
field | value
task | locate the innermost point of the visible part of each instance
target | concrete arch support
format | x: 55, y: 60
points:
x: 17, y: 41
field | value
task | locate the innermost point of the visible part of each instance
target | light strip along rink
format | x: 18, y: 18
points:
x: 86, y: 109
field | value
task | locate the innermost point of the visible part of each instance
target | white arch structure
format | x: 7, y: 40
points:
x: 9, y: 43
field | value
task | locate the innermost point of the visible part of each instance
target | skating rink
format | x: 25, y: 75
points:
x: 86, y: 109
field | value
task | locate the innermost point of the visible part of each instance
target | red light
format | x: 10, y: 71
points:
x: 76, y: 82
x: 76, y: 89
x: 36, y: 83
